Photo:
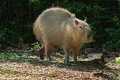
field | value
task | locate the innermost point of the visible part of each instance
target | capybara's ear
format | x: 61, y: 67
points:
x: 85, y: 19
x: 76, y: 22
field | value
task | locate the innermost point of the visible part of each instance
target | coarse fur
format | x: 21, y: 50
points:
x: 59, y: 28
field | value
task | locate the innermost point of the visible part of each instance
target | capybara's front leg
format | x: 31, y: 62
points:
x: 66, y: 60
x: 48, y: 51
x: 76, y: 53
x: 75, y: 58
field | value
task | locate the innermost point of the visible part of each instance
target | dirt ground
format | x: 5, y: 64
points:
x: 44, y: 70
x: 31, y: 68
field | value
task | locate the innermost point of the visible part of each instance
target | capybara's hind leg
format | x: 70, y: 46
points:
x: 41, y: 53
x: 48, y: 51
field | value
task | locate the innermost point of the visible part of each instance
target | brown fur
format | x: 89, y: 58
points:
x: 57, y: 27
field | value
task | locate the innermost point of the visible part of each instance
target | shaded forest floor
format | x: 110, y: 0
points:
x: 24, y: 66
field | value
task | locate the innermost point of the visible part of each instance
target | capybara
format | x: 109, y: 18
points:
x: 58, y: 28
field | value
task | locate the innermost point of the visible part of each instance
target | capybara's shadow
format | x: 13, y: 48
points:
x: 79, y: 65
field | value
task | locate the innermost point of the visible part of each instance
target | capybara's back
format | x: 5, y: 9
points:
x: 52, y: 23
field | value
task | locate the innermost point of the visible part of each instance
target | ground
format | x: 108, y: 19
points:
x: 31, y: 68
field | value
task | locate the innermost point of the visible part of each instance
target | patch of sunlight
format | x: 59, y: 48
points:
x: 117, y: 60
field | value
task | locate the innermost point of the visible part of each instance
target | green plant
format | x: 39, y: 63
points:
x: 117, y: 60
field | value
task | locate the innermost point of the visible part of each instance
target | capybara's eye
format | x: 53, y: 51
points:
x: 80, y: 27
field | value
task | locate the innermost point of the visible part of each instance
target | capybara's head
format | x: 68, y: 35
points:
x: 85, y: 30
